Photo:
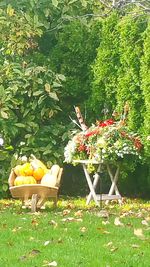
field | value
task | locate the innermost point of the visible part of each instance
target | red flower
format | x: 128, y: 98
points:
x: 137, y: 143
x: 96, y: 131
x: 106, y: 123
x: 82, y: 148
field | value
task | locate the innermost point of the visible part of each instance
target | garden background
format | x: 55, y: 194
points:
x: 57, y: 54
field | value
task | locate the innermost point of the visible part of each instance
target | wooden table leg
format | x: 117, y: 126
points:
x: 93, y: 194
x: 96, y: 178
x: 114, y: 180
x: 34, y: 202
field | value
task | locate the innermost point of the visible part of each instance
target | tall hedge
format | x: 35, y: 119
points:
x: 105, y: 68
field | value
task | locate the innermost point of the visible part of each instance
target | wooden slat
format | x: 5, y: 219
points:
x: 29, y: 190
x: 108, y: 197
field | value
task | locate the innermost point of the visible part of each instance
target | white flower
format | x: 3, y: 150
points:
x: 24, y: 158
x: 1, y: 141
x: 69, y: 151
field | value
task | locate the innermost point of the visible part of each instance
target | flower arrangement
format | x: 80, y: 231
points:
x: 105, y: 141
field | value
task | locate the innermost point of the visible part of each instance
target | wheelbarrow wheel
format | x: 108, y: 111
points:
x: 34, y: 202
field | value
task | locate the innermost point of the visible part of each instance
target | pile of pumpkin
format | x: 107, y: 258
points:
x: 35, y: 172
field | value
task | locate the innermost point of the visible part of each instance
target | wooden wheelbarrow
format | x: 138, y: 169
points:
x: 34, y: 195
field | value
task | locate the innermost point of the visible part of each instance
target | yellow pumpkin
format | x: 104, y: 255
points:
x: 17, y: 169
x: 49, y: 180
x: 21, y: 180
x: 26, y: 169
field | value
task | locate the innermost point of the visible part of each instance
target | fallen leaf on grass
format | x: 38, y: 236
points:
x: 46, y: 243
x: 52, y: 222
x: 135, y: 246
x: 108, y: 244
x: 139, y: 233
x: 34, y: 252
x: 105, y: 222
x: 106, y: 232
x: 53, y: 263
x: 65, y: 212
x: 23, y: 258
x: 34, y: 222
x: 144, y: 222
x: 103, y: 231
x: 117, y: 222
x: 31, y: 238
x: 16, y: 229
x: 72, y: 219
x: 113, y: 249
x: 103, y: 214
x: 70, y: 206
x: 147, y: 219
x: 78, y: 213
x: 83, y: 229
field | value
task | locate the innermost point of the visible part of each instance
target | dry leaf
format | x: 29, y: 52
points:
x: 83, y: 229
x: 23, y: 258
x: 34, y: 252
x: 108, y: 244
x: 139, y: 233
x: 105, y: 222
x: 106, y: 232
x: 53, y: 263
x: 31, y: 238
x: 135, y: 246
x: 46, y: 243
x: 72, y: 219
x: 52, y: 222
x: 65, y: 212
x: 117, y: 222
x: 16, y: 229
x: 34, y: 222
x: 103, y: 214
x: 147, y: 219
x: 144, y: 222
x: 113, y: 249
x: 78, y: 213
x: 70, y: 206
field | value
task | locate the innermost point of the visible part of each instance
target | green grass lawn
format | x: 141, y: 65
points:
x: 73, y: 235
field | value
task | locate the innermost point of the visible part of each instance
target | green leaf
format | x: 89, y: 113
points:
x: 47, y: 87
x: 5, y: 187
x: 4, y: 114
x: 41, y: 99
x: 37, y: 93
x: 61, y: 77
x: 20, y: 125
x: 55, y: 3
x: 84, y: 3
x: 54, y: 96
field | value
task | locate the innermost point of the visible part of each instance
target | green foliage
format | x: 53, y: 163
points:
x: 129, y: 82
x: 105, y: 68
x: 145, y: 76
x: 73, y: 59
x: 121, y: 73
x: 102, y: 62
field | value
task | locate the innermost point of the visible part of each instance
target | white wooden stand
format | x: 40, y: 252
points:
x: 113, y: 191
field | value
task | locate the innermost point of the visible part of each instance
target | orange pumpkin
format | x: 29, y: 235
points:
x: 38, y: 173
